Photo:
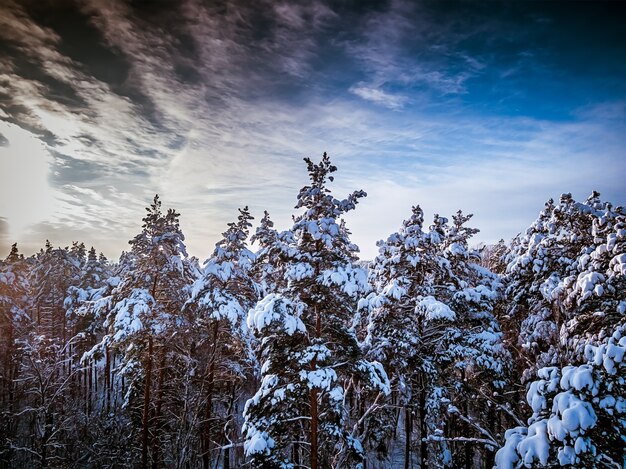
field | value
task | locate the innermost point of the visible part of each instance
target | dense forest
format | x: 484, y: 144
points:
x: 296, y: 354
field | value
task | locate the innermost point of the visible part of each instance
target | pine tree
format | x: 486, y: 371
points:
x: 274, y: 247
x: 579, y: 275
x: 553, y: 272
x: 312, y: 381
x: 55, y: 271
x: 579, y: 417
x: 143, y: 316
x: 431, y: 325
x: 220, y: 301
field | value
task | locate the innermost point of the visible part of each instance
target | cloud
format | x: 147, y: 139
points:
x: 406, y: 45
x: 378, y: 96
x: 502, y: 176
x: 25, y: 196
x: 4, y: 237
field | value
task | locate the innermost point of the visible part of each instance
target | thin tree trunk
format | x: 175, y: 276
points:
x: 296, y: 454
x: 89, y: 389
x: 107, y: 380
x: 423, y: 430
x: 469, y: 450
x: 146, y: 408
x: 489, y: 453
x: 206, y: 454
x: 408, y: 426
x: 157, y: 413
x: 314, y: 416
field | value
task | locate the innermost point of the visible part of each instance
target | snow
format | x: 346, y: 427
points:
x: 577, y: 377
x: 535, y: 445
x: 299, y: 271
x: 618, y: 264
x: 478, y: 294
x: 352, y: 280
x: 363, y: 303
x: 131, y: 313
x: 457, y: 249
x: 275, y: 310
x: 336, y: 394
x: 321, y: 378
x: 377, y: 375
x: 434, y: 310
x: 507, y: 457
x: 575, y: 413
x: 586, y: 283
x: 579, y: 396
x: 394, y: 289
x: 257, y: 442
x: 314, y: 352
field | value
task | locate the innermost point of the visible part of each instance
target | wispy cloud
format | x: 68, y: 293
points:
x: 378, y: 96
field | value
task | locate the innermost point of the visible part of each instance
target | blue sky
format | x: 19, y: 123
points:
x: 489, y: 107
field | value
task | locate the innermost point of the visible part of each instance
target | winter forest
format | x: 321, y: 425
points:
x: 284, y: 350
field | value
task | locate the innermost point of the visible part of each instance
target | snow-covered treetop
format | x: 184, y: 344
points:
x: 147, y: 299
x: 161, y: 237
x: 225, y: 290
x: 320, y: 221
x: 14, y: 285
x: 233, y: 246
x: 14, y: 254
x: 265, y: 234
x: 565, y: 276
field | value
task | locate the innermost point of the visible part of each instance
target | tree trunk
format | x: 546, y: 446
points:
x: 314, y: 416
x: 469, y: 450
x: 490, y: 459
x: 313, y: 426
x: 206, y: 445
x: 423, y: 430
x: 157, y: 414
x: 107, y: 380
x: 296, y: 454
x: 231, y: 417
x: 89, y: 389
x: 408, y: 426
x: 146, y: 408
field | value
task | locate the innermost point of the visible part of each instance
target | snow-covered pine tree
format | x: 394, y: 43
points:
x: 431, y: 324
x: 578, y: 411
x: 302, y: 410
x: 480, y: 362
x: 14, y: 306
x: 82, y: 325
x: 276, y: 416
x: 400, y: 273
x: 493, y: 257
x: 593, y: 296
x: 273, y: 247
x: 579, y: 414
x: 143, y: 316
x: 220, y: 301
x: 553, y: 271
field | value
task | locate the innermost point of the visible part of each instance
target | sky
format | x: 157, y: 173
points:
x: 488, y: 107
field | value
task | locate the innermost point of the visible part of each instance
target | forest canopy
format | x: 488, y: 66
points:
x: 284, y: 350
